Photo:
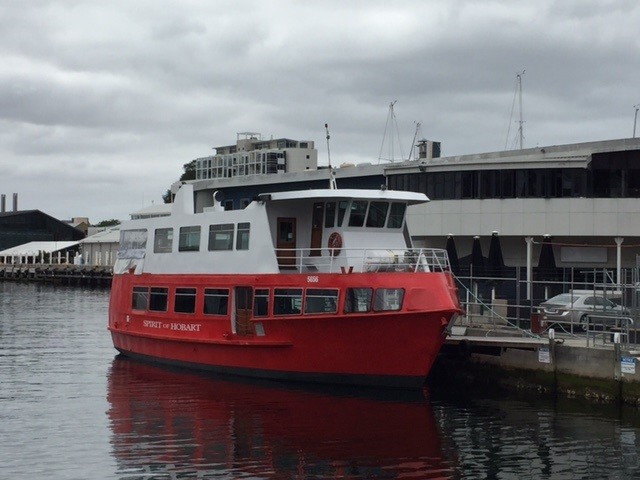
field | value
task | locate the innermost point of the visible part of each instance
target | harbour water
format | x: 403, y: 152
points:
x: 70, y: 408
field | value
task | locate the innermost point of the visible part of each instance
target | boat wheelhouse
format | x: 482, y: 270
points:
x: 319, y: 285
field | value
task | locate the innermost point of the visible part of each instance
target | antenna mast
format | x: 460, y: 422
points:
x: 332, y: 177
x: 391, y: 119
x: 520, y: 130
x: 635, y: 118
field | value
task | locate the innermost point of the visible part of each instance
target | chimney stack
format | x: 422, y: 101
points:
x: 3, y: 203
x: 15, y: 202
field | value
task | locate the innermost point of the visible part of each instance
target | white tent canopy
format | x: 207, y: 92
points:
x: 22, y: 253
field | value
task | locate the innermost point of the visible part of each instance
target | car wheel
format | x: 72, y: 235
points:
x: 584, y: 320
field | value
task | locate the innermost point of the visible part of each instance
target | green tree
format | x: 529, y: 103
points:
x: 107, y: 223
x: 189, y: 173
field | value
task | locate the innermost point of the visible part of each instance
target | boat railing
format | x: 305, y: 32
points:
x: 327, y: 260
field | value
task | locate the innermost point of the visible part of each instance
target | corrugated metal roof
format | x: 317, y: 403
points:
x: 35, y: 248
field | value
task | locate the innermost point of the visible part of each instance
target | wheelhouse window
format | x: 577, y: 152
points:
x: 158, y: 299
x: 242, y: 242
x: 216, y: 301
x: 133, y: 243
x: 358, y: 300
x: 221, y: 237
x: 185, y: 300
x: 329, y: 214
x: 261, y: 302
x: 342, y: 210
x: 388, y: 299
x: 377, y: 214
x: 189, y: 239
x: 319, y: 300
x: 396, y: 215
x: 357, y: 213
x: 163, y: 240
x: 140, y: 298
x: 287, y: 301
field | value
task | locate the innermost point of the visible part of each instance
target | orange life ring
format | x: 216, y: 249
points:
x: 335, y: 244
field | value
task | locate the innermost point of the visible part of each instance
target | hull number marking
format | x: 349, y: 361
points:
x: 312, y: 279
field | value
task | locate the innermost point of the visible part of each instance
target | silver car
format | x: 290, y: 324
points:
x: 576, y: 307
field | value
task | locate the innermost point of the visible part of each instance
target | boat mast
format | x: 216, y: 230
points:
x: 635, y: 118
x: 520, y: 130
x: 332, y: 175
x: 391, y: 123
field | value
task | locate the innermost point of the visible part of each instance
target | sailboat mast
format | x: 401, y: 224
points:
x: 521, y: 130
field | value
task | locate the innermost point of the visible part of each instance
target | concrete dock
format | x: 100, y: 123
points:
x: 597, y: 365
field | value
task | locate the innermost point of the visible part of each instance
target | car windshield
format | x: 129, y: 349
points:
x: 562, y: 299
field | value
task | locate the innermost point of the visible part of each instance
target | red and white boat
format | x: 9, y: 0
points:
x: 317, y: 285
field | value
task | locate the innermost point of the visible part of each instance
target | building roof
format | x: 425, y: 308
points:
x: 35, y: 248
x: 155, y: 210
x: 110, y: 235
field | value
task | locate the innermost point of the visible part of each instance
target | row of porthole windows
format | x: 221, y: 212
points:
x: 286, y: 301
x: 221, y: 237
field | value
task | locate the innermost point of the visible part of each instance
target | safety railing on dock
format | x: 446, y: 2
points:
x: 326, y: 260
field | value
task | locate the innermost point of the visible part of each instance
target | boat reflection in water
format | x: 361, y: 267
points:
x: 177, y: 424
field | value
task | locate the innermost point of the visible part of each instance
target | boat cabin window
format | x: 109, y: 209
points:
x: 216, y: 301
x: 189, y: 239
x: 185, y: 300
x: 261, y: 302
x: 342, y: 209
x: 357, y: 213
x: 287, y: 301
x: 158, y: 299
x: 377, y: 214
x: 221, y: 236
x: 140, y: 298
x: 388, y: 299
x: 242, y: 242
x: 133, y: 243
x: 321, y: 301
x: 396, y: 215
x: 330, y: 215
x: 163, y: 240
x: 358, y: 300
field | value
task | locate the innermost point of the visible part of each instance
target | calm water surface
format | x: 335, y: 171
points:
x: 71, y: 409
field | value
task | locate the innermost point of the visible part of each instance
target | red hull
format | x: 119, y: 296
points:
x: 394, y: 348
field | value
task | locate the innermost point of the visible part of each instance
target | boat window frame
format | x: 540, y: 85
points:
x: 140, y: 296
x: 348, y: 303
x: 352, y: 217
x: 258, y: 293
x: 382, y: 300
x: 208, y: 294
x: 243, y: 236
x: 163, y: 240
x: 188, y: 234
x: 222, y: 229
x: 324, y: 311
x: 393, y: 217
x: 158, y: 299
x: 381, y: 220
x: 181, y: 298
x: 281, y: 311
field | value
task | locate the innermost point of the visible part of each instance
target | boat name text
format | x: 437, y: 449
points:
x: 183, y: 327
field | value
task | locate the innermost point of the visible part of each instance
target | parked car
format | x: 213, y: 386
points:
x: 575, y: 308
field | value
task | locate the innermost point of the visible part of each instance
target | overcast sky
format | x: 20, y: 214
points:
x: 102, y: 102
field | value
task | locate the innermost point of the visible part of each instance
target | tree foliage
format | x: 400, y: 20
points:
x: 108, y: 223
x: 188, y: 173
